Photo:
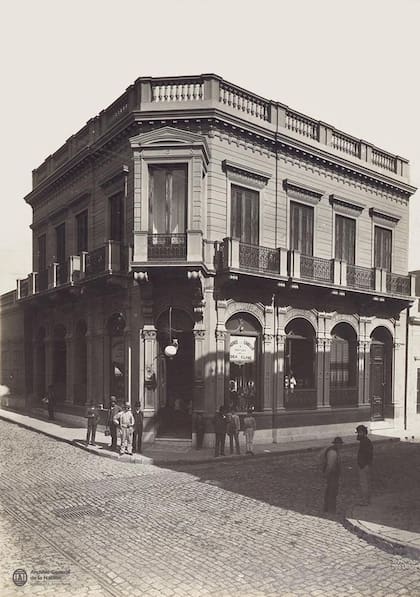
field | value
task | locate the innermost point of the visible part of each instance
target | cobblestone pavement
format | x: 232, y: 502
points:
x: 82, y: 525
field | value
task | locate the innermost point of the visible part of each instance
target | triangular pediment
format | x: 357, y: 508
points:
x: 167, y: 135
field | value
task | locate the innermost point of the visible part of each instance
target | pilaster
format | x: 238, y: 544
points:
x: 69, y: 397
x: 198, y: 389
x: 149, y: 335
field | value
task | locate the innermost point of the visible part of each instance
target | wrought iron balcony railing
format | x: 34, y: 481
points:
x: 396, y: 284
x: 360, y: 277
x: 167, y: 246
x: 316, y: 268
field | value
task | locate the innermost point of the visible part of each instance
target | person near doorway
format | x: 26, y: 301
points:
x: 124, y: 419
x: 51, y: 403
x: 219, y: 421
x: 92, y: 416
x: 364, y: 462
x: 331, y: 467
x: 249, y: 429
x: 199, y: 427
x: 113, y: 410
x: 233, y: 428
x: 138, y: 428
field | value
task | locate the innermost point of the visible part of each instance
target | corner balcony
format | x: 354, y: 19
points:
x: 105, y: 260
x: 234, y: 257
x: 172, y: 250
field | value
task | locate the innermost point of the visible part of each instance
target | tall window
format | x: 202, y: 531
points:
x: 116, y: 217
x: 60, y: 236
x: 345, y: 239
x: 302, y: 228
x: 82, y: 232
x: 168, y: 199
x: 42, y: 253
x: 383, y: 248
x: 245, y: 215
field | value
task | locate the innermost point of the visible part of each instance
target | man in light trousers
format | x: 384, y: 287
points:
x: 125, y: 420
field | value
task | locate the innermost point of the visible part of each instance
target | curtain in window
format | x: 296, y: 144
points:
x: 345, y: 239
x: 383, y: 248
x: 167, y: 199
x: 301, y: 228
x: 245, y: 220
x: 340, y: 362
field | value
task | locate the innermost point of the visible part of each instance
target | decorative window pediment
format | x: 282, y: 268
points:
x: 346, y: 206
x: 383, y: 217
x: 303, y: 192
x: 245, y: 175
x: 167, y: 136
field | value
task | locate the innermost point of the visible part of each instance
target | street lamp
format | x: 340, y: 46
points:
x: 171, y: 349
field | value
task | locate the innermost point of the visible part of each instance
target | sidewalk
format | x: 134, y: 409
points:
x: 385, y: 522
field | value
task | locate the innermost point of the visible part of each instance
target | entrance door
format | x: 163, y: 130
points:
x: 176, y: 389
x: 377, y: 380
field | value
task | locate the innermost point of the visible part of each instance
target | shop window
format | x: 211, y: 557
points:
x: 300, y: 354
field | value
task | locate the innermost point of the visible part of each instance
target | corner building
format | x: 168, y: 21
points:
x: 271, y: 246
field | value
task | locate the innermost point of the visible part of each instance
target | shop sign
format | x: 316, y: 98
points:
x: 242, y: 349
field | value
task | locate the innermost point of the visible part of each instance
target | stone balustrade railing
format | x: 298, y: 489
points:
x: 213, y: 92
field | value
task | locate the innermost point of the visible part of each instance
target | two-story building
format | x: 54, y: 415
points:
x: 268, y: 249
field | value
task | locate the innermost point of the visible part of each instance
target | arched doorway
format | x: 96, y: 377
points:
x: 116, y: 326
x: 80, y: 369
x: 243, y: 365
x: 343, y: 366
x: 59, y: 364
x: 381, y: 374
x: 175, y: 375
x: 300, y: 365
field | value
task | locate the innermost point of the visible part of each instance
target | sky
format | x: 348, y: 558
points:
x: 351, y: 63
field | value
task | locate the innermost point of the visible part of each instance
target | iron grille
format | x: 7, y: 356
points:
x: 167, y: 246
x: 398, y: 284
x: 316, y: 268
x: 360, y: 277
x: 258, y: 258
x: 95, y: 262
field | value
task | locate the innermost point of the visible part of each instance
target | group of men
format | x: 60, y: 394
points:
x: 228, y: 423
x: 332, y: 465
x: 128, y: 423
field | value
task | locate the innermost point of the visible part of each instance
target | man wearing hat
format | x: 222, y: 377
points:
x: 113, y: 410
x: 332, y: 474
x: 125, y: 420
x: 364, y: 461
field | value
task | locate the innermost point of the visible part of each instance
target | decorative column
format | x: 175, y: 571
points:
x: 149, y: 366
x: 363, y: 371
x: 279, y: 371
x: 327, y: 372
x: 220, y: 367
x: 268, y: 349
x: 198, y: 389
x: 128, y: 368
x: 319, y: 381
x: 69, y: 397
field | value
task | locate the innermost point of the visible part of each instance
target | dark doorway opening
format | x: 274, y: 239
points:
x: 381, y: 375
x: 175, y: 376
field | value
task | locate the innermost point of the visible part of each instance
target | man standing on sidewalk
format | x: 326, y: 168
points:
x: 92, y: 423
x: 125, y: 420
x: 113, y: 410
x: 219, y: 421
x: 364, y: 461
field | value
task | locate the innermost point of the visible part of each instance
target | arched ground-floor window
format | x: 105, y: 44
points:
x: 343, y: 366
x: 300, y: 365
x: 243, y: 363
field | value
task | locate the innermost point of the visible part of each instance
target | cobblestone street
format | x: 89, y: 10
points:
x: 82, y: 525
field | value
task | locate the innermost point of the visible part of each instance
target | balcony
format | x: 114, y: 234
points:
x: 158, y: 250
x: 108, y: 259
x: 242, y: 258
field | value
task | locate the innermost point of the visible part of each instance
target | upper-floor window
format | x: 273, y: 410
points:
x: 302, y: 228
x: 116, y: 217
x: 42, y: 253
x: 383, y: 248
x: 245, y: 215
x: 82, y: 232
x: 345, y: 239
x: 60, y: 238
x: 168, y: 199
